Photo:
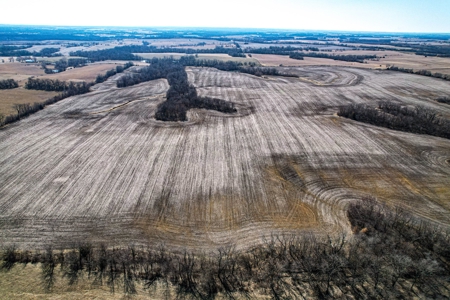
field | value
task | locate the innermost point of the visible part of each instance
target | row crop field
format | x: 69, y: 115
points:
x: 99, y: 166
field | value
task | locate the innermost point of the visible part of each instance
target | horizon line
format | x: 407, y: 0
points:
x: 231, y: 28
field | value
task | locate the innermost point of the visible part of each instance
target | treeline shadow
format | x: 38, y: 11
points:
x: 390, y: 255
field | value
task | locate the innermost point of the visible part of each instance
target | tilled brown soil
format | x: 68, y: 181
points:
x: 99, y: 167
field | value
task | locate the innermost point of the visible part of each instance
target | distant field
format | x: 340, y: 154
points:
x: 418, y: 62
x: 21, y: 96
x: 98, y: 167
x: 87, y: 73
x: 22, y: 71
x: 271, y: 60
x: 19, y: 71
x: 386, y: 58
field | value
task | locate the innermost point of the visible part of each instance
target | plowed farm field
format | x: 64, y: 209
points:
x: 99, y: 167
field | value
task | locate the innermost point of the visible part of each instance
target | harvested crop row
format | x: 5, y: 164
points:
x: 287, y: 165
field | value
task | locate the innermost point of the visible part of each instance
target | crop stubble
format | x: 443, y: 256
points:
x: 99, y: 167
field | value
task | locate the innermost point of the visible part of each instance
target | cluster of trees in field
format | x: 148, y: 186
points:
x: 158, y: 68
x: 442, y: 50
x: 8, y: 84
x: 395, y: 116
x: 107, y: 54
x: 391, y: 255
x: 420, y: 72
x: 214, y: 63
x: 445, y: 100
x: 48, y: 52
x: 119, y: 69
x: 181, y: 96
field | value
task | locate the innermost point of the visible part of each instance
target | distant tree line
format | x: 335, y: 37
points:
x: 107, y: 54
x: 297, y: 55
x: 395, y: 116
x: 349, y: 58
x: 181, y: 96
x: 14, y: 50
x: 391, y: 255
x: 426, y: 50
x: 285, y: 50
x: 126, y: 52
x: 19, y: 51
x: 48, y: 52
x: 119, y: 69
x: 8, y: 84
x: 158, y: 68
x: 420, y: 72
x: 25, y: 109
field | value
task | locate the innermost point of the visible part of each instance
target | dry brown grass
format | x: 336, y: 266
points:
x: 418, y: 62
x: 19, y: 71
x: 25, y: 282
x: 21, y: 96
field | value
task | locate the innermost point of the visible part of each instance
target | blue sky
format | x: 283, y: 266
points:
x: 351, y: 15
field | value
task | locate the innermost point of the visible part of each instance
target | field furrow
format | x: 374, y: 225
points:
x: 99, y: 166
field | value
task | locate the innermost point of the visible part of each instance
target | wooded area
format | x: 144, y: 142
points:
x: 395, y: 116
x: 8, y: 84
